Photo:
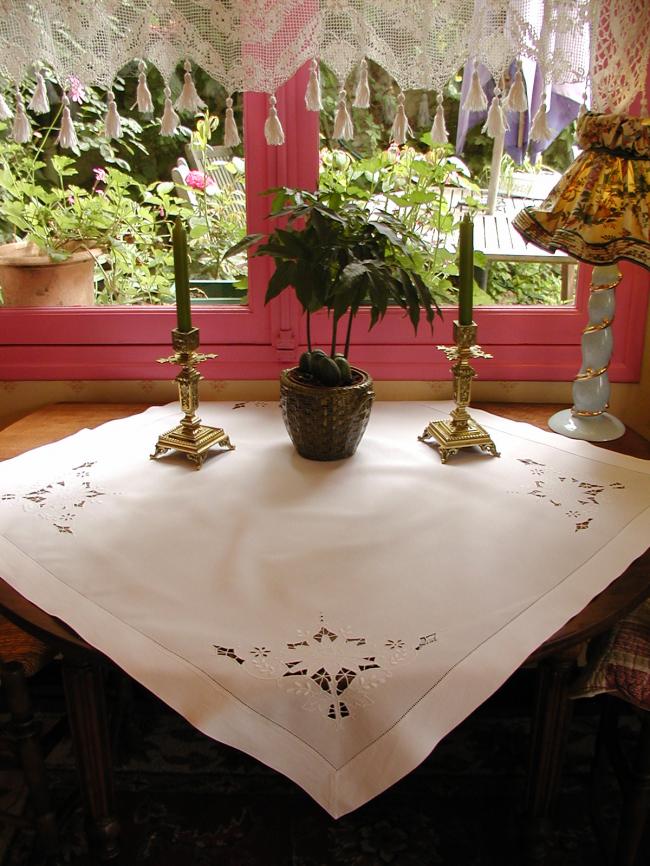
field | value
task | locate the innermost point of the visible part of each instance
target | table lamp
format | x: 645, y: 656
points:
x: 599, y: 213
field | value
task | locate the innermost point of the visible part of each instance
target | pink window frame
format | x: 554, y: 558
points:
x: 257, y: 341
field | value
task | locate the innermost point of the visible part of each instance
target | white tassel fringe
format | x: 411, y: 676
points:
x: 516, y: 99
x: 113, y: 123
x: 189, y: 101
x: 496, y: 123
x: 230, y: 131
x: 143, y: 94
x: 439, y: 133
x: 343, y: 128
x: 67, y: 136
x: 170, y: 120
x: 39, y: 103
x: 21, y: 130
x: 362, y: 95
x: 540, y: 130
x: 273, y: 132
x: 400, y: 129
x: 312, y: 94
x: 476, y: 100
x: 5, y: 112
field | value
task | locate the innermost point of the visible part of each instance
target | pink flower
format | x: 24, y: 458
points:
x: 101, y: 175
x: 76, y: 90
x: 196, y: 180
x: 70, y: 199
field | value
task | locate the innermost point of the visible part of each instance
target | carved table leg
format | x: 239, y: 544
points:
x: 88, y: 724
x: 548, y: 743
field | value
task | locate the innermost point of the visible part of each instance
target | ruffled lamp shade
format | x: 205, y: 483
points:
x: 598, y: 212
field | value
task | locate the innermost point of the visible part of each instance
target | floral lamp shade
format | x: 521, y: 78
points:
x: 598, y: 212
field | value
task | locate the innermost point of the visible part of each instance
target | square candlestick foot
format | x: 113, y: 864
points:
x: 192, y: 440
x: 452, y: 437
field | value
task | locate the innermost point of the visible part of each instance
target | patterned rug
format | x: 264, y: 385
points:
x: 188, y: 801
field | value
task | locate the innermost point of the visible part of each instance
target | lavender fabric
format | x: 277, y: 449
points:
x: 563, y: 110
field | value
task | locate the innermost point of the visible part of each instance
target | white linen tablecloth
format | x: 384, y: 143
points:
x: 335, y: 620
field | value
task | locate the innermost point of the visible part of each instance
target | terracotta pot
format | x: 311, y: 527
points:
x: 31, y: 279
x: 325, y: 423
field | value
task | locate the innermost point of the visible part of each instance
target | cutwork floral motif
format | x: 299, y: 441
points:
x: 579, y: 499
x: 330, y: 668
x: 60, y: 502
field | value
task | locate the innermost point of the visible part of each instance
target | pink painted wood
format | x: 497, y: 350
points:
x: 256, y: 342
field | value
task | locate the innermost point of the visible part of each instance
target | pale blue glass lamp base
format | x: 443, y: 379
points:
x: 588, y: 419
x: 592, y: 428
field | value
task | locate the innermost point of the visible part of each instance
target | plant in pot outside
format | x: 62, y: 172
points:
x: 338, y: 256
x: 77, y: 236
x: 217, y: 220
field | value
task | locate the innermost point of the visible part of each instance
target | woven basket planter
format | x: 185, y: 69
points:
x: 325, y: 423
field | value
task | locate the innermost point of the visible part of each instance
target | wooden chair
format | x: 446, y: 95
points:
x: 22, y: 656
x: 620, y: 669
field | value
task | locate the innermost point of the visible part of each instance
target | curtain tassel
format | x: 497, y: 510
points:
x: 540, y: 130
x: 230, y: 131
x: 67, y: 136
x: 170, y: 120
x: 400, y: 130
x: 362, y: 95
x: 39, y: 102
x: 312, y: 94
x: 496, y: 122
x: 516, y: 99
x: 273, y: 131
x: 21, y: 130
x: 143, y: 94
x: 439, y: 133
x: 5, y: 112
x: 189, y: 101
x: 343, y: 128
x: 476, y: 100
x: 113, y: 123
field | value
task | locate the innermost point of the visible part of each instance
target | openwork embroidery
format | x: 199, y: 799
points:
x: 579, y: 499
x: 258, y: 403
x: 331, y: 668
x: 60, y: 502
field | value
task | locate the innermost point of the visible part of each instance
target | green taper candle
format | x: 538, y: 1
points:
x: 181, y: 276
x: 465, y: 270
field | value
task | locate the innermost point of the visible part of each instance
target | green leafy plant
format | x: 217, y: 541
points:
x: 525, y: 283
x: 219, y: 219
x: 414, y: 187
x: 128, y: 222
x: 338, y: 255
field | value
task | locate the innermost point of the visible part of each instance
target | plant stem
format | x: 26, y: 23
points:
x: 348, y: 333
x: 308, y: 331
x: 335, y: 326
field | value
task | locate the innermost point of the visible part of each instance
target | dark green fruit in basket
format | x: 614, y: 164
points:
x: 344, y: 368
x: 304, y: 364
x: 326, y: 370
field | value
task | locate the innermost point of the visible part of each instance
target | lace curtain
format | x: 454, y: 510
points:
x: 258, y: 44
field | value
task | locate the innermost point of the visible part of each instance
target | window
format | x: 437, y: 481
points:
x: 256, y: 341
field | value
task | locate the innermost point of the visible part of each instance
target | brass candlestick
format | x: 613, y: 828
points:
x: 190, y: 436
x: 460, y: 431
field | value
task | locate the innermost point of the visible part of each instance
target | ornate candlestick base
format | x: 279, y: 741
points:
x: 460, y: 430
x: 190, y: 437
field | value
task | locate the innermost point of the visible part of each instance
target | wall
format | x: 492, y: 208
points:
x: 629, y: 402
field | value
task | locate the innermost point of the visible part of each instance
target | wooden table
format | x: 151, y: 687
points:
x: 555, y: 659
